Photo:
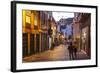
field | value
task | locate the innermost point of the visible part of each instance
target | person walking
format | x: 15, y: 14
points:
x: 75, y: 47
x: 65, y: 43
x: 70, y: 49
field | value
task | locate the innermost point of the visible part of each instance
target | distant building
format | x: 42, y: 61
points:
x: 58, y: 27
x: 65, y: 26
x: 52, y: 29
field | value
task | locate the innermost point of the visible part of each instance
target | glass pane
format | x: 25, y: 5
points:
x: 28, y: 19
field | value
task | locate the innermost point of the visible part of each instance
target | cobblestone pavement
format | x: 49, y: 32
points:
x: 60, y: 53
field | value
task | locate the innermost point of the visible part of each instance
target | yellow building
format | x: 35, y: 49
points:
x: 35, y: 26
x: 31, y: 32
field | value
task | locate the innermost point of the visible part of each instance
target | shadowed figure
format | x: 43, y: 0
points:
x: 75, y: 48
x: 70, y: 49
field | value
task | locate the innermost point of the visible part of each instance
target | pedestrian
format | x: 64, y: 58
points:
x: 55, y: 41
x: 65, y: 42
x: 52, y: 46
x: 70, y: 49
x: 75, y: 47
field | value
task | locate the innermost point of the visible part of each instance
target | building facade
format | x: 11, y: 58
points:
x: 82, y: 21
x: 44, y: 28
x: 34, y: 32
x: 76, y: 30
x: 52, y: 30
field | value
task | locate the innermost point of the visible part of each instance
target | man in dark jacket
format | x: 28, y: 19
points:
x: 70, y: 49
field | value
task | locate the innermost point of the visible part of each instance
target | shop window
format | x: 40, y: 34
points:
x: 35, y: 22
x: 28, y: 19
x: 28, y: 22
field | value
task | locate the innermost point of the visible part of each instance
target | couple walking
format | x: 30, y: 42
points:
x: 72, y: 48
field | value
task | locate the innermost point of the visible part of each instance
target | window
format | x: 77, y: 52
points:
x: 35, y: 20
x: 28, y: 19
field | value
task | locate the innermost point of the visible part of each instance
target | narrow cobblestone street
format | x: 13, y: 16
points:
x: 60, y: 53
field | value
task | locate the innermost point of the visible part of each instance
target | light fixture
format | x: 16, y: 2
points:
x: 35, y: 20
x: 84, y: 34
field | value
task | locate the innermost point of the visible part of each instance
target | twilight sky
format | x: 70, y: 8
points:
x: 58, y: 15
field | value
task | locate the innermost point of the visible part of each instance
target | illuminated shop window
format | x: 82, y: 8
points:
x: 28, y: 22
x: 28, y: 19
x: 35, y: 23
x: 35, y: 20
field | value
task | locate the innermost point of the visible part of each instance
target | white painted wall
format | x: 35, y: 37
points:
x: 5, y: 36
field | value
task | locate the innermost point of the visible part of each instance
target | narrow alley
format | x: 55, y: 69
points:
x: 55, y: 36
x: 60, y: 53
